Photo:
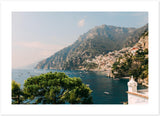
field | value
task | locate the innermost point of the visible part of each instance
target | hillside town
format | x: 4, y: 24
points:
x: 105, y: 62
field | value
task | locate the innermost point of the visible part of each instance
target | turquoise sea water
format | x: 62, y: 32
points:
x: 97, y: 81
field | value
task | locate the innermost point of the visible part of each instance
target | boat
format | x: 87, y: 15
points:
x: 116, y: 79
x: 125, y: 77
x: 86, y: 72
x: 88, y: 85
x: 106, y: 92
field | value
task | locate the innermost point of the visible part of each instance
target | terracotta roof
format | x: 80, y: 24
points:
x: 134, y: 49
x: 133, y: 93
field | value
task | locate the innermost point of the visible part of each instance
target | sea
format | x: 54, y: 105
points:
x: 97, y: 81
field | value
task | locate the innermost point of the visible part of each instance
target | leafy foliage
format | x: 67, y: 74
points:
x: 16, y: 93
x: 57, y: 88
x: 90, y: 65
x: 136, y: 65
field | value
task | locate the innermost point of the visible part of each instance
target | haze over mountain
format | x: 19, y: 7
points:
x: 99, y: 40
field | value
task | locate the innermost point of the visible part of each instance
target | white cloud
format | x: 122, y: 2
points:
x: 81, y: 23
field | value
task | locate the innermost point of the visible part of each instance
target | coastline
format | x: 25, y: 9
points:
x: 108, y: 73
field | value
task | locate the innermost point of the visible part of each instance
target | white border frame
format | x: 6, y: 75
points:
x: 146, y: 6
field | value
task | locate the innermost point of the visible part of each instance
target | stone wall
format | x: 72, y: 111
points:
x: 136, y: 99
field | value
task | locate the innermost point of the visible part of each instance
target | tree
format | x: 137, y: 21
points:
x: 16, y: 92
x: 136, y: 65
x: 57, y: 88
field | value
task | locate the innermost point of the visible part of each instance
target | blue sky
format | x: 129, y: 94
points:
x: 38, y: 35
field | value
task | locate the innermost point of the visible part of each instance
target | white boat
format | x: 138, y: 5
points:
x: 87, y: 85
x: 106, y: 92
x: 116, y: 79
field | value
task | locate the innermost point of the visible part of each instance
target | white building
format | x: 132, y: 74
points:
x: 136, y: 96
x: 133, y: 50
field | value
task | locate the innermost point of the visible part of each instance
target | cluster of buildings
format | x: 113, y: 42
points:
x: 105, y: 62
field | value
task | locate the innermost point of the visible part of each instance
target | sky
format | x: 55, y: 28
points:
x: 38, y: 35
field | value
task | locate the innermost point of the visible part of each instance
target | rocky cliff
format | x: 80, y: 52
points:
x: 98, y: 41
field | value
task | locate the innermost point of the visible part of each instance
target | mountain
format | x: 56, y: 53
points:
x: 105, y: 62
x: 99, y: 40
x: 135, y: 35
x: 134, y: 62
